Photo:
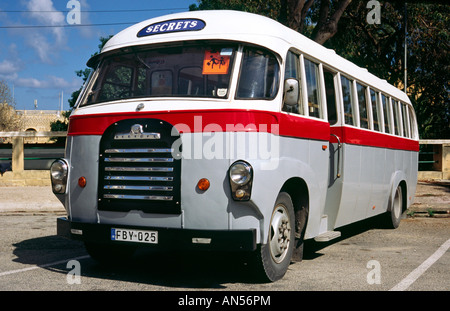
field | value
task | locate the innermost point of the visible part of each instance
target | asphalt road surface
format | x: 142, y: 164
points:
x: 414, y: 257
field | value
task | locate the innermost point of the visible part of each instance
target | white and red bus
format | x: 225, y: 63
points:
x: 222, y: 130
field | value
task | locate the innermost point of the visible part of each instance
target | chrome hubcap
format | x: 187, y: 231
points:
x: 280, y: 232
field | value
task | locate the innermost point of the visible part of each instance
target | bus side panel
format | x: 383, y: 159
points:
x: 380, y: 186
x: 412, y: 177
x: 303, y: 159
x: 351, y: 166
x: 83, y: 161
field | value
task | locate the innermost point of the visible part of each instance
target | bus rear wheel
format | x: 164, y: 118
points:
x: 394, y: 215
x: 274, y: 257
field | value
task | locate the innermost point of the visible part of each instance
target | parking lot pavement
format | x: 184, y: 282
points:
x: 29, y: 199
x: 432, y: 199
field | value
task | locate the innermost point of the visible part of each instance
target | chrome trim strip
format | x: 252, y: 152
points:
x: 151, y: 188
x: 138, y: 197
x: 138, y: 169
x: 137, y: 136
x: 140, y: 150
x: 139, y: 178
x: 159, y: 160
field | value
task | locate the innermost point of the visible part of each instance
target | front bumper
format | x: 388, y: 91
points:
x: 168, y: 238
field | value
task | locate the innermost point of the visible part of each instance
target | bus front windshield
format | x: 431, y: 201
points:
x: 202, y: 70
x: 193, y: 71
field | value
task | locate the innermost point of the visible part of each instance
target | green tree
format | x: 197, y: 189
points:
x: 380, y: 49
x: 317, y: 19
x: 429, y: 67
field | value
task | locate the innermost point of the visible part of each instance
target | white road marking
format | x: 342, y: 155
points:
x: 42, y: 266
x: 414, y: 275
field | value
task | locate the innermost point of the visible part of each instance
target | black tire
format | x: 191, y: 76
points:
x: 107, y: 254
x: 274, y: 257
x: 394, y: 215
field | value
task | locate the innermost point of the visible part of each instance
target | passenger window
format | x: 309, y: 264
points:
x: 348, y: 99
x: 312, y: 88
x: 363, y: 115
x: 406, y: 128
x: 331, y: 96
x: 292, y: 72
x: 412, y: 123
x: 396, y: 117
x: 387, y: 114
x: 375, y: 114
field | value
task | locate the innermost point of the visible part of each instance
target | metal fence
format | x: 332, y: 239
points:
x: 30, y: 150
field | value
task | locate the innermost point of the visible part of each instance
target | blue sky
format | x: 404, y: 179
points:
x: 39, y: 63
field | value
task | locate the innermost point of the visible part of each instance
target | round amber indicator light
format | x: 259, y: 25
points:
x: 203, y: 184
x: 82, y: 182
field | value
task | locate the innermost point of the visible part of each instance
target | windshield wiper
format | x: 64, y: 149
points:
x: 142, y: 62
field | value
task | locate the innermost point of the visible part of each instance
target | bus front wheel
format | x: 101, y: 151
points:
x: 274, y: 257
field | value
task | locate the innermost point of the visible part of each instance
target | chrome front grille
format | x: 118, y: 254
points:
x: 138, y: 170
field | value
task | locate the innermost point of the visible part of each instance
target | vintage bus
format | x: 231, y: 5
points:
x: 227, y: 131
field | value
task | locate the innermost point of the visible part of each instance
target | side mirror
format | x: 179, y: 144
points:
x: 291, y: 93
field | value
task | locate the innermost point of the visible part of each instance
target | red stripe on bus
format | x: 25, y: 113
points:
x: 246, y: 121
x: 355, y: 136
x: 210, y: 121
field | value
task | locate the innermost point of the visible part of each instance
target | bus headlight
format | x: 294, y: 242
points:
x: 58, y: 173
x: 241, y: 177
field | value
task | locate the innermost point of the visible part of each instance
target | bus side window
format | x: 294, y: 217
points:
x: 348, y: 101
x: 259, y: 77
x: 412, y: 123
x: 387, y: 114
x: 292, y: 71
x: 331, y: 95
x: 363, y: 115
x: 406, y: 128
x: 375, y: 111
x: 312, y: 88
x: 396, y: 117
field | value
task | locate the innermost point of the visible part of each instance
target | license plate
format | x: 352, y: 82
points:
x: 131, y: 235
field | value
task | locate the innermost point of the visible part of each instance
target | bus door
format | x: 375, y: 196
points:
x: 355, y: 159
x: 335, y: 184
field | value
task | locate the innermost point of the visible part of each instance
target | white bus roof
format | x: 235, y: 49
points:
x: 241, y: 27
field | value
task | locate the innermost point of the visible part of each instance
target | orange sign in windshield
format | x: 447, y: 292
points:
x: 215, y: 64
